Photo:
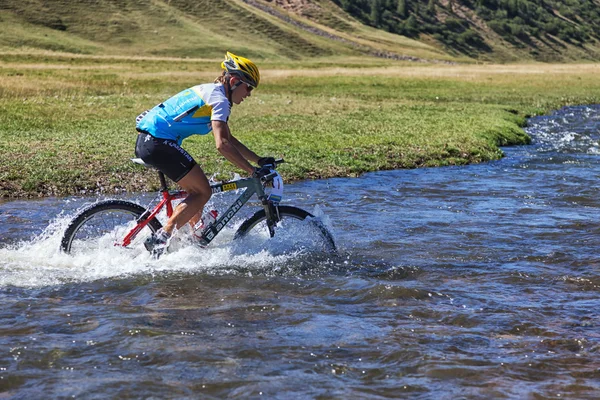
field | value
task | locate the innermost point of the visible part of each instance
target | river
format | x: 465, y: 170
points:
x: 470, y: 282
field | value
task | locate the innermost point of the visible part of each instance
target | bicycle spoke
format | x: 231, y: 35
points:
x: 297, y: 231
x: 104, y: 225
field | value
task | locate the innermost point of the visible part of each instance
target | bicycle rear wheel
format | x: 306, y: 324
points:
x: 103, y: 225
x: 297, y: 229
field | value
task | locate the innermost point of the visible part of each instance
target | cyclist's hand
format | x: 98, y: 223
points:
x: 263, y: 161
x: 259, y: 172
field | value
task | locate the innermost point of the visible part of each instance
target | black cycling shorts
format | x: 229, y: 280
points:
x: 165, y: 155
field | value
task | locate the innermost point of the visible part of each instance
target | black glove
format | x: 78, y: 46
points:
x: 266, y: 161
x: 259, y: 172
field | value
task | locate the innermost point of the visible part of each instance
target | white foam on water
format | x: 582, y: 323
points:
x: 40, y: 263
x: 551, y: 135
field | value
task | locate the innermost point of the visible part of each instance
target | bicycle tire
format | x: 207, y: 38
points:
x: 288, y: 212
x: 99, y: 219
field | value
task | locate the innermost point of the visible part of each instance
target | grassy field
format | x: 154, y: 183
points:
x: 67, y: 122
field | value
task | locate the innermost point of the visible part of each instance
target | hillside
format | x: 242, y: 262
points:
x: 285, y: 30
x: 195, y: 29
x: 497, y: 30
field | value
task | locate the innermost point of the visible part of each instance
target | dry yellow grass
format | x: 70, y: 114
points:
x: 437, y: 70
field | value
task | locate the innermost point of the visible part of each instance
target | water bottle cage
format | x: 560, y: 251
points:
x: 207, y: 220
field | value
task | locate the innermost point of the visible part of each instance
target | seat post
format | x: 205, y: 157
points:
x: 161, y: 176
x: 163, y: 182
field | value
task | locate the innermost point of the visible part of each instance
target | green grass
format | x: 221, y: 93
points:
x: 67, y: 123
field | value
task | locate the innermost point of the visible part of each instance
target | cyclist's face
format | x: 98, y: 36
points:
x: 241, y: 92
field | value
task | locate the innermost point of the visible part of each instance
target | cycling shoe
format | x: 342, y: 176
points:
x: 157, y: 243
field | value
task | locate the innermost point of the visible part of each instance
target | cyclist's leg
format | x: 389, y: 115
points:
x: 170, y: 158
x: 198, y: 188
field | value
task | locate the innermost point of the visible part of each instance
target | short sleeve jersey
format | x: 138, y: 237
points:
x: 196, y: 107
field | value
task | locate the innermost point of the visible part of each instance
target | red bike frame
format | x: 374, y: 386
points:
x: 167, y: 199
x: 252, y: 185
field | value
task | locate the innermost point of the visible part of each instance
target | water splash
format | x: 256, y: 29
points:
x: 567, y: 131
x: 39, y: 262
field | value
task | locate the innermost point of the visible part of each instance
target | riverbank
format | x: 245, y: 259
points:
x: 67, y: 123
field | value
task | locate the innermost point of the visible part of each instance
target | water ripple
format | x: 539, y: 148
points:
x: 458, y: 282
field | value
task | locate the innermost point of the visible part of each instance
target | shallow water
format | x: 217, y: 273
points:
x: 463, y: 282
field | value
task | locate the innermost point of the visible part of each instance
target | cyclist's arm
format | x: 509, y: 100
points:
x: 226, y: 145
x: 244, y: 151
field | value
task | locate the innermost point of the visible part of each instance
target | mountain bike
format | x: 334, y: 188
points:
x: 126, y: 224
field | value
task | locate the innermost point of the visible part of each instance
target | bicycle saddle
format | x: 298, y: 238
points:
x: 141, y: 162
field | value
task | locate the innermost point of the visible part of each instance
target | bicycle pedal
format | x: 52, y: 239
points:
x: 156, y: 245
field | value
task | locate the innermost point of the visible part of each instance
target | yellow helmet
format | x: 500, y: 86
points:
x: 242, y: 67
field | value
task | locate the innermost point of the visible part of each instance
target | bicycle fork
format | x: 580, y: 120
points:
x: 272, y: 212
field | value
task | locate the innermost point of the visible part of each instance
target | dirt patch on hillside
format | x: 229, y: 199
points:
x: 365, y: 49
x: 301, y: 7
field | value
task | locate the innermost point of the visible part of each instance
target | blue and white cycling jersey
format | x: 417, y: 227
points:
x: 208, y: 102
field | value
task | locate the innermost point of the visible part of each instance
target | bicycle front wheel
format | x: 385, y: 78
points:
x: 103, y: 225
x: 296, y: 229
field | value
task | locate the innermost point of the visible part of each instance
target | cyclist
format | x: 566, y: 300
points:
x: 196, y: 111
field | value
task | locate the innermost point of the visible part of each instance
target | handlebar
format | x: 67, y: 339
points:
x: 269, y: 177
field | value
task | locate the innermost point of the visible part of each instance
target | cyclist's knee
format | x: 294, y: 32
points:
x: 204, y: 196
x: 197, y: 198
x: 196, y: 183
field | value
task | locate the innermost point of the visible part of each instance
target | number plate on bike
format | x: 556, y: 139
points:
x: 277, y: 192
